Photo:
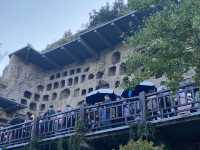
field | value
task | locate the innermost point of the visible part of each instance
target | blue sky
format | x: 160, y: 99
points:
x: 40, y: 22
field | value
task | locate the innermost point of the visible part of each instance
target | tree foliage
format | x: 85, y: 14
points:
x: 107, y: 13
x: 142, y: 130
x: 78, y: 141
x: 96, y: 17
x: 34, y: 144
x: 67, y: 37
x: 139, y: 5
x: 140, y: 145
x: 170, y: 41
x: 60, y: 144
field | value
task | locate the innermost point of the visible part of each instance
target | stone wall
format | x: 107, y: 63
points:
x: 37, y: 89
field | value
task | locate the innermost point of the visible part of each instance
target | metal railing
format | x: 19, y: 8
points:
x: 149, y: 107
x: 16, y: 134
x: 61, y: 123
x: 165, y: 104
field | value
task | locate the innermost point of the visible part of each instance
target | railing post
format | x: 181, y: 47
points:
x: 143, y: 106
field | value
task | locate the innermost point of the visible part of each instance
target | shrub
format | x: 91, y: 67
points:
x: 140, y: 145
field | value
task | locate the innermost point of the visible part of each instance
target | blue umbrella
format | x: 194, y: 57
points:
x: 127, y: 93
x: 145, y: 86
x: 16, y: 121
x: 99, y: 96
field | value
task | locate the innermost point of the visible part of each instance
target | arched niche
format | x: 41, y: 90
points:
x: 64, y: 94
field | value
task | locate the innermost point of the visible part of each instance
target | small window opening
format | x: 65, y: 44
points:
x: 62, y: 83
x: 70, y: 81
x: 54, y: 96
x: 72, y: 72
x: 83, y: 92
x: 24, y: 101
x: 33, y: 106
x: 36, y: 97
x: 58, y: 75
x: 65, y: 94
x: 76, y: 92
x: 91, y: 76
x: 49, y: 87
x: 45, y: 97
x: 27, y: 94
x: 56, y: 85
x: 75, y: 80
x: 112, y: 71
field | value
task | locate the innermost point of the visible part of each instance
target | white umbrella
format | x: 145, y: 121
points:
x: 147, y: 83
x: 103, y: 91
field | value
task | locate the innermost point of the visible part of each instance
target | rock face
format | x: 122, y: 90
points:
x: 38, y: 89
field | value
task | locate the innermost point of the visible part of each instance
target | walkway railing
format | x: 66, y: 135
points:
x: 156, y: 106
x: 16, y: 134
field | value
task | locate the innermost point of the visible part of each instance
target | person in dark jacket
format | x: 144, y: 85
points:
x: 47, y: 119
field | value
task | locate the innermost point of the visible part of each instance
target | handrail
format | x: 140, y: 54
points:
x: 156, y: 106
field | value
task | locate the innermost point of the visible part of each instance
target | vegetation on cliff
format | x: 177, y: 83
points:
x: 170, y: 41
x: 96, y: 17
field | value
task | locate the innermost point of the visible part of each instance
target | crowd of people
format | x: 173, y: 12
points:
x: 183, y: 102
x: 106, y: 114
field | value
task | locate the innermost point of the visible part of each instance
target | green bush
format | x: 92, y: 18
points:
x: 140, y: 145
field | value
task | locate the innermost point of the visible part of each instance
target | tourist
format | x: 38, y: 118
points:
x: 196, y: 100
x: 196, y: 95
x: 66, y: 116
x: 47, y: 119
x: 32, y: 117
x: 190, y: 102
x: 118, y: 98
x: 107, y: 98
x: 93, y: 117
x: 29, y: 117
x: 102, y: 115
x: 59, y: 119
x: 73, y: 118
x: 51, y: 110
x: 40, y: 120
x: 130, y: 93
x: 169, y: 111
x: 125, y: 111
x: 70, y: 117
x: 182, y: 103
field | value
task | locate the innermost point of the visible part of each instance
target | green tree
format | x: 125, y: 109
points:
x: 78, y: 141
x: 96, y: 17
x: 140, y: 145
x: 67, y: 37
x: 170, y: 41
x: 143, y: 130
x: 4, y: 148
x: 139, y: 5
x: 60, y: 144
x: 107, y: 13
x: 34, y: 144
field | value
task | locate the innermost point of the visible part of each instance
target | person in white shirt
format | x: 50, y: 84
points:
x: 182, y: 101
